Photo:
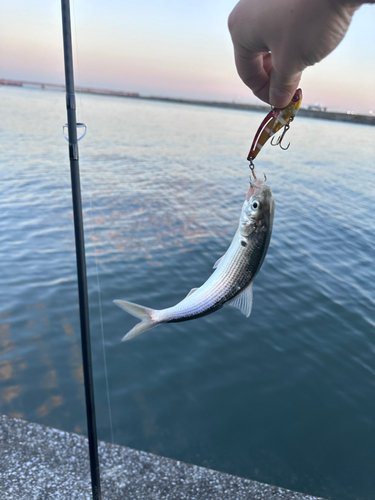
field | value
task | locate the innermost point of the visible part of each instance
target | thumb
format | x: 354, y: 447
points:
x: 283, y: 87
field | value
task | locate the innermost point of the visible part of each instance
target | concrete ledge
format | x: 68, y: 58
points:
x: 41, y: 463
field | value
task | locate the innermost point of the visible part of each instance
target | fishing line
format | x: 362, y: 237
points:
x: 90, y: 191
x: 101, y: 317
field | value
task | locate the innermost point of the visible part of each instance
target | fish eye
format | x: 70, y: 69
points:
x: 255, y: 205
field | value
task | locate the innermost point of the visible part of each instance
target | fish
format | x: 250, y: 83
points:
x: 231, y: 282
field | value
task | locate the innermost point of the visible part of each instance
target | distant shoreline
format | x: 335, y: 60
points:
x: 310, y: 113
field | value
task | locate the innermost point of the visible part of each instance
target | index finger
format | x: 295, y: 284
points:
x: 254, y: 70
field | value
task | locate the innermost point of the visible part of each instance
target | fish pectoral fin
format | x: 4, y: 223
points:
x: 191, y: 291
x: 243, y: 301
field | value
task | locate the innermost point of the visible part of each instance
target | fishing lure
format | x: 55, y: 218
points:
x: 276, y: 119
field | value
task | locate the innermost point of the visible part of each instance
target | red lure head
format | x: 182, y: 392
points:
x: 297, y: 95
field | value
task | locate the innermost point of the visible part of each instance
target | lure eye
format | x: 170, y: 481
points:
x: 255, y: 205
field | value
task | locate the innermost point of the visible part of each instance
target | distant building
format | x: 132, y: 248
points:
x: 317, y: 107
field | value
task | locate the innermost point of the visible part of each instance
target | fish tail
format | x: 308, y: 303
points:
x: 141, y: 312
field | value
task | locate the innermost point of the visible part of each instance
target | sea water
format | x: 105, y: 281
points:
x: 284, y: 397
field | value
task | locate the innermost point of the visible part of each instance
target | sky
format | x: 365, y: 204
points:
x: 174, y: 48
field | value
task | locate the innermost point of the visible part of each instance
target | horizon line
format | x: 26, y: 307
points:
x: 310, y: 111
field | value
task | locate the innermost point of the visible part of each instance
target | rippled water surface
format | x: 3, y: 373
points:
x: 285, y: 396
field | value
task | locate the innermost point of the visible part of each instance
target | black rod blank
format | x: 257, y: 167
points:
x: 80, y: 251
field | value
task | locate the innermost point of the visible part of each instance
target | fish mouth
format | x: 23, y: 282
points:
x: 255, y: 186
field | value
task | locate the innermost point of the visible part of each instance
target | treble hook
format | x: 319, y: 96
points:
x: 281, y: 137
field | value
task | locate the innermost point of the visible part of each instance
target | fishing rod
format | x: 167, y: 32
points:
x: 80, y: 251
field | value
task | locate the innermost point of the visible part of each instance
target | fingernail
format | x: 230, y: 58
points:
x: 279, y: 98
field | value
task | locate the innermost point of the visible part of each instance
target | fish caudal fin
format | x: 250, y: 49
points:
x: 143, y: 313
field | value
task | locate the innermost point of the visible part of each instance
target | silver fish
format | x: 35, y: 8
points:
x: 232, y: 281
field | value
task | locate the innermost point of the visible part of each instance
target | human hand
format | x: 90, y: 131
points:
x: 275, y: 40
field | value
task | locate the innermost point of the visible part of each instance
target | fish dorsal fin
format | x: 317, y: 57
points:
x: 243, y: 301
x: 191, y: 291
x: 216, y: 265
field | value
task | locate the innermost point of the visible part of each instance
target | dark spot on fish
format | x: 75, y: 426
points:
x: 243, y: 243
